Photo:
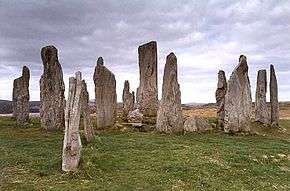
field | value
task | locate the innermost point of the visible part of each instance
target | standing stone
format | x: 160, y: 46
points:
x: 21, y: 97
x: 274, y: 98
x: 220, y: 98
x: 52, y: 100
x: 72, y: 142
x: 261, y: 110
x: 169, y: 115
x: 106, y: 96
x: 85, y: 111
x: 128, y: 100
x: 238, y: 100
x: 147, y: 94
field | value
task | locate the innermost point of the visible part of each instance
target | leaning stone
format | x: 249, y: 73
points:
x: 21, y: 97
x: 85, y: 111
x: 135, y: 116
x: 106, y: 97
x: 147, y: 94
x: 169, y: 115
x: 197, y: 124
x: 52, y: 100
x: 261, y: 110
x: 238, y: 100
x: 220, y: 98
x: 72, y: 142
x: 128, y: 100
x: 274, y: 98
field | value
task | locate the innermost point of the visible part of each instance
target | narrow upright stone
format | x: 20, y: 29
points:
x: 274, y: 98
x: 238, y: 100
x: 169, y: 115
x: 106, y: 96
x: 21, y: 97
x: 261, y: 110
x: 147, y: 94
x: 52, y: 100
x: 128, y: 100
x: 72, y: 146
x: 220, y: 98
x: 85, y: 112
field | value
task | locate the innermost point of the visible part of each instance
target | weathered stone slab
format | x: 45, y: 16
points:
x: 261, y: 110
x: 220, y: 95
x: 169, y: 115
x: 147, y: 93
x: 197, y: 124
x: 135, y: 116
x: 274, y: 98
x: 72, y: 142
x: 85, y: 112
x: 21, y: 97
x: 128, y: 100
x: 52, y: 100
x: 238, y: 100
x: 106, y: 96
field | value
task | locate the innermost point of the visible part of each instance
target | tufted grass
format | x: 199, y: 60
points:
x: 30, y: 159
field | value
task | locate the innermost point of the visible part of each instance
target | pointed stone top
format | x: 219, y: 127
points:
x: 272, y: 67
x: 221, y: 72
x: 171, y: 56
x: 78, y: 76
x: 242, y: 58
x: 25, y: 71
x: 100, y: 61
x: 48, y: 53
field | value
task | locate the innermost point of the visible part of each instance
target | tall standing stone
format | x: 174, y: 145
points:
x: 274, y: 98
x: 238, y: 100
x: 21, y: 97
x: 261, y: 110
x: 169, y: 115
x: 52, y: 100
x: 128, y: 100
x: 106, y: 96
x: 72, y: 146
x: 147, y: 94
x: 85, y: 112
x: 220, y: 98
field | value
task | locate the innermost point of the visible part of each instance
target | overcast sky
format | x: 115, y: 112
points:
x: 205, y: 36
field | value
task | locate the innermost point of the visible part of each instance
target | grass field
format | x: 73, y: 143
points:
x: 30, y: 159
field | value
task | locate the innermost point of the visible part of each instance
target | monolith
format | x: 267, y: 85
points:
x: 106, y: 97
x: 21, y: 97
x: 85, y: 113
x: 147, y: 94
x: 274, y: 98
x: 238, y: 100
x: 261, y: 110
x: 169, y: 115
x: 71, y: 153
x: 128, y: 100
x: 52, y: 100
x: 220, y: 98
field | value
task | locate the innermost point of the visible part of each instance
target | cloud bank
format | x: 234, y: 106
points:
x: 205, y: 36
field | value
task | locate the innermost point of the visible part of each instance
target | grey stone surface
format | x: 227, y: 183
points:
x: 238, y: 100
x: 85, y: 112
x: 220, y: 98
x: 21, y: 96
x: 106, y: 96
x: 196, y: 124
x: 128, y: 100
x: 147, y: 94
x: 169, y: 115
x: 261, y: 110
x: 52, y: 100
x: 274, y: 98
x: 72, y: 142
x: 135, y: 116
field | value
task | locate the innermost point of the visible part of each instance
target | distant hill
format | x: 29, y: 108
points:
x: 6, y: 106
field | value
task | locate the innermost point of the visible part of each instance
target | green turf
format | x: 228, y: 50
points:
x: 30, y: 159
